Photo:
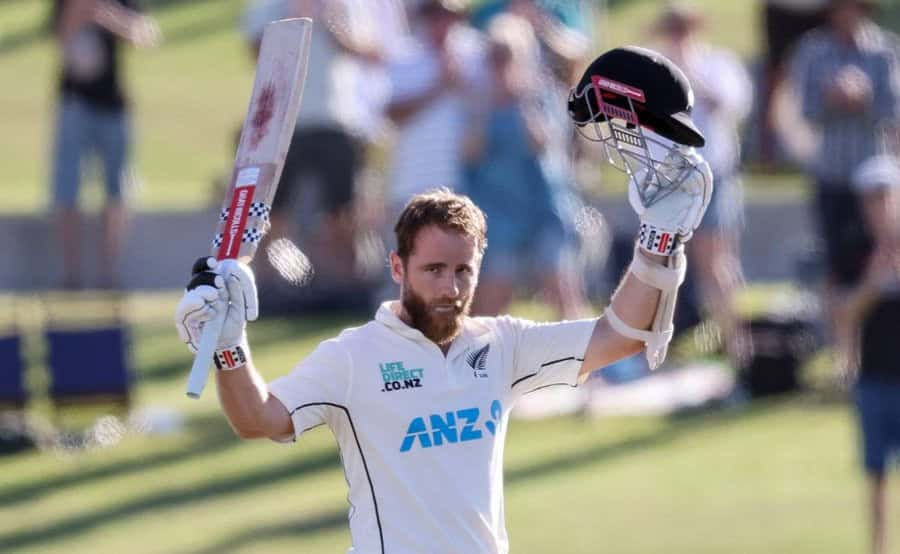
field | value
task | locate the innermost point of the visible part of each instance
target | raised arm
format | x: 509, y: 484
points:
x: 635, y: 303
x: 138, y: 29
x: 251, y: 409
x: 130, y: 25
x: 637, y: 104
x: 640, y: 315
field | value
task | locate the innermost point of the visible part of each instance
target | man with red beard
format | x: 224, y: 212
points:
x: 419, y: 398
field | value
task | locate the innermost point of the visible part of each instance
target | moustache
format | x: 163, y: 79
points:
x: 457, y: 305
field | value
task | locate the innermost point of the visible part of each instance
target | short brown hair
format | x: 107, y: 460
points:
x: 447, y: 210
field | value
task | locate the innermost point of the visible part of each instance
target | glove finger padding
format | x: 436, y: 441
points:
x: 679, y: 208
x: 241, y: 287
x: 197, y: 306
x: 216, y: 286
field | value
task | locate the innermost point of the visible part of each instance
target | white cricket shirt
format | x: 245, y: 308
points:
x: 421, y: 434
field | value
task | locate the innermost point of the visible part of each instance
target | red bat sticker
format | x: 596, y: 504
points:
x: 237, y: 220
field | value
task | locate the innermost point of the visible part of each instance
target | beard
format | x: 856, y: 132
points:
x: 439, y: 327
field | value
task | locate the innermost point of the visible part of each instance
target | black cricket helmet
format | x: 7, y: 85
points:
x: 637, y: 104
x: 640, y: 81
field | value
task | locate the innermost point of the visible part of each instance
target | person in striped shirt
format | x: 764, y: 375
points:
x: 847, y: 76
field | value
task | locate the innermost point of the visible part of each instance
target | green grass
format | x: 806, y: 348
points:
x: 776, y: 477
x: 734, y: 25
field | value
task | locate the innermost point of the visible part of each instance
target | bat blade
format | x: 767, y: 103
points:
x: 265, y: 138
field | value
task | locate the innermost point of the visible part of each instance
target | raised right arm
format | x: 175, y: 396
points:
x: 251, y: 410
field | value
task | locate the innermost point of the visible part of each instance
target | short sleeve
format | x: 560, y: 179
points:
x: 548, y: 354
x: 315, y: 386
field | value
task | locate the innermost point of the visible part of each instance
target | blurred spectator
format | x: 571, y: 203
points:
x: 784, y: 22
x: 328, y: 147
x: 434, y: 76
x: 869, y: 317
x: 93, y: 118
x: 381, y: 26
x: 723, y: 97
x: 564, y: 29
x: 575, y: 15
x: 847, y: 75
x: 528, y: 237
x: 560, y: 57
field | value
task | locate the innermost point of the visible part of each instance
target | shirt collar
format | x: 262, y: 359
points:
x: 388, y: 315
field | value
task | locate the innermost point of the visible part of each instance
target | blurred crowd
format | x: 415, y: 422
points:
x: 407, y: 95
x: 435, y: 94
x: 469, y: 96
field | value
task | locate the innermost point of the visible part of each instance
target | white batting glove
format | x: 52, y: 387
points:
x: 216, y: 286
x: 671, y: 220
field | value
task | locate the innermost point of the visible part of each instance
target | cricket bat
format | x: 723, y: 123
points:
x: 265, y: 137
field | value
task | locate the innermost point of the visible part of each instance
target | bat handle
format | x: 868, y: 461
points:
x: 205, y: 352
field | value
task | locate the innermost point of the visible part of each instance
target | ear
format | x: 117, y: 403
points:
x: 397, y: 269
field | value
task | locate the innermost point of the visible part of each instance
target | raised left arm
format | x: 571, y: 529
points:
x: 641, y: 312
x: 634, y: 304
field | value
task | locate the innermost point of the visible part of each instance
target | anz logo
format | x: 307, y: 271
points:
x: 451, y: 427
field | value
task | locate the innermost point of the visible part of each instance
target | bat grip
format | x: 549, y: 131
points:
x: 205, y: 352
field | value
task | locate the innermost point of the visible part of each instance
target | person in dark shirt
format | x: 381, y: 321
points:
x: 868, y: 317
x: 93, y: 119
x: 847, y: 74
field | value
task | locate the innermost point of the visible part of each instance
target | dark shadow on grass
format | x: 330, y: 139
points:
x: 320, y: 522
x: 674, y: 429
x: 216, y: 437
x: 338, y: 518
x: 567, y: 461
x: 20, y: 38
x: 80, y: 523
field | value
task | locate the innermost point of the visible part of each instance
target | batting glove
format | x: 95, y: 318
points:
x: 215, y: 286
x: 671, y: 219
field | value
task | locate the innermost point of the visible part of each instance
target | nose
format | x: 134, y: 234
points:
x: 450, y: 286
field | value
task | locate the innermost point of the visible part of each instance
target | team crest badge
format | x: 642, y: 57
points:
x: 478, y: 361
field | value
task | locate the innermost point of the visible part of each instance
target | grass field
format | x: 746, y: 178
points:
x: 776, y: 477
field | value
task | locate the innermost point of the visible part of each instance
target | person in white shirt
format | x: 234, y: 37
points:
x: 435, y: 77
x: 724, y: 94
x: 338, y: 117
x: 419, y: 398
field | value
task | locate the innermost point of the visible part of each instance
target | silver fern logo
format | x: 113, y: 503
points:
x: 478, y: 361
